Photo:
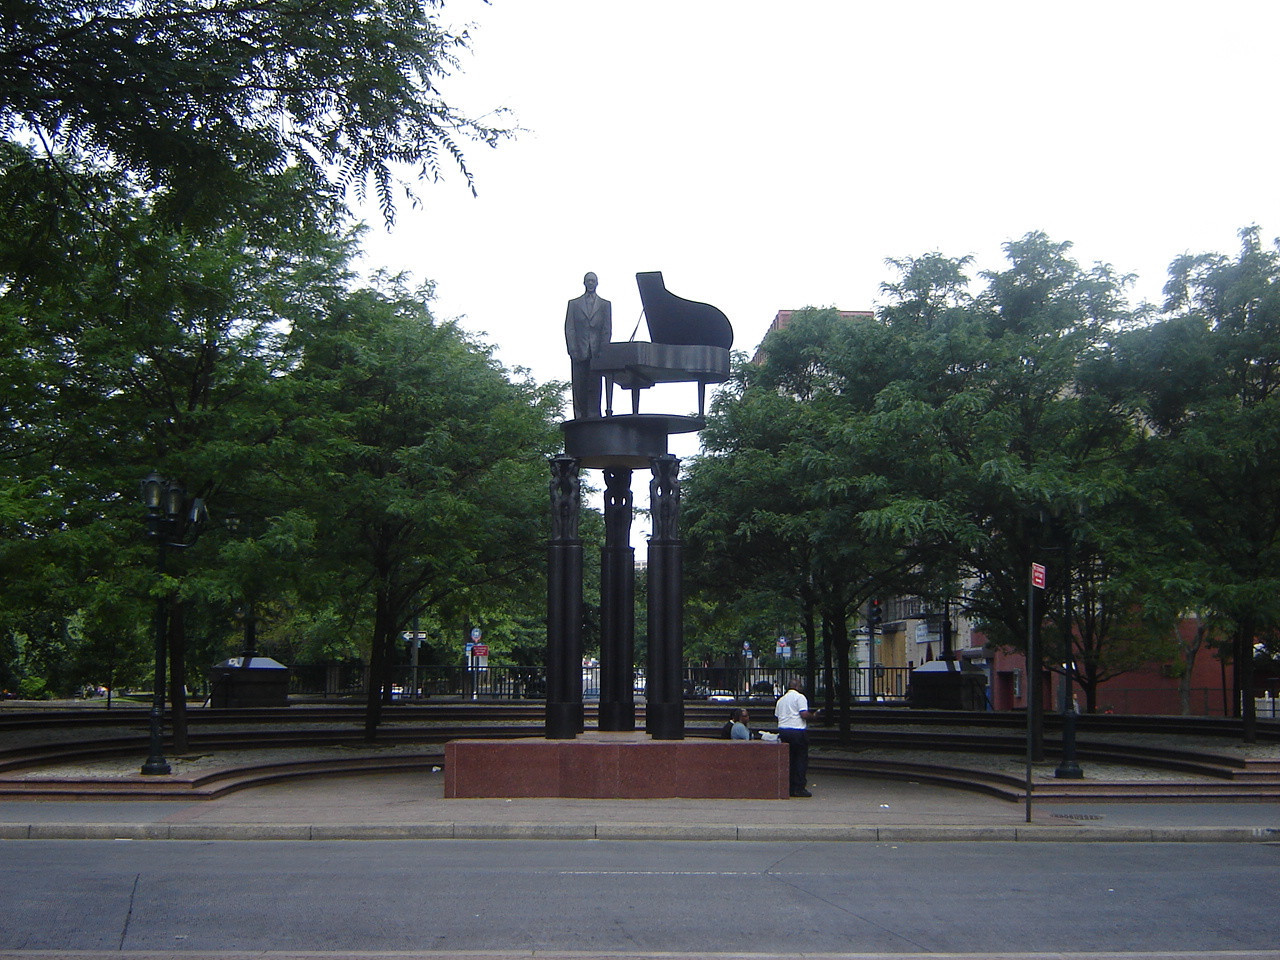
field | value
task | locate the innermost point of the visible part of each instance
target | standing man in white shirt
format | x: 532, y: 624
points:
x: 792, y: 711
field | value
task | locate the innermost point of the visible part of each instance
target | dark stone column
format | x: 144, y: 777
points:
x: 664, y: 701
x: 617, y: 606
x: 564, y: 604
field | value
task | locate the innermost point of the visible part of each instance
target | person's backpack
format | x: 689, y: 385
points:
x: 727, y: 730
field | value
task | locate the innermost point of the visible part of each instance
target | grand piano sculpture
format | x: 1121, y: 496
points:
x: 689, y: 343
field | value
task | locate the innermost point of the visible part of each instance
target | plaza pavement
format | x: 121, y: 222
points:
x: 410, y: 804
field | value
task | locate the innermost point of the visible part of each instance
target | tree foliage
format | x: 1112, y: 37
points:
x: 174, y: 263
x: 368, y: 453
x: 963, y: 435
x: 427, y: 462
x: 1206, y: 381
x: 198, y: 97
x: 129, y: 346
x: 780, y: 499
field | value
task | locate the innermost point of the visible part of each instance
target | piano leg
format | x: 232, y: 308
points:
x: 702, y: 398
x: 635, y: 400
x: 608, y: 397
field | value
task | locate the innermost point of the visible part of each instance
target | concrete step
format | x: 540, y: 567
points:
x: 211, y: 785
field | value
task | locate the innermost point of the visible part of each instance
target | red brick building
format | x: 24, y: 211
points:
x: 783, y: 320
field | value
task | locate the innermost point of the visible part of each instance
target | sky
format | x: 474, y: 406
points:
x: 768, y: 155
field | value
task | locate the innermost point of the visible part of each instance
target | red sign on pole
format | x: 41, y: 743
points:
x: 1037, y: 575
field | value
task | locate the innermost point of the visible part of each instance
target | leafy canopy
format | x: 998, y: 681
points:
x: 196, y: 96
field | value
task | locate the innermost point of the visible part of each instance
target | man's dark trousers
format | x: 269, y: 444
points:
x: 797, y: 742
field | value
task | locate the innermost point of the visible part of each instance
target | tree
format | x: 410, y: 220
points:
x: 781, y: 497
x: 129, y: 346
x: 199, y: 98
x: 240, y: 361
x: 951, y: 437
x: 424, y: 465
x: 746, y: 529
x: 1025, y: 462
x: 1207, y: 382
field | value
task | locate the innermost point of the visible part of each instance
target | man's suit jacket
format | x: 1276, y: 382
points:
x: 587, y: 326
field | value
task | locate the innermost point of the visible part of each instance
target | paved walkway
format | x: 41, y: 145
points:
x: 411, y: 805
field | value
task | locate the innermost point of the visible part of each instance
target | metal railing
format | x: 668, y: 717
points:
x: 884, y: 684
x: 878, y: 684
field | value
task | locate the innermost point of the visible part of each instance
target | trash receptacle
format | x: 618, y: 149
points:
x: 937, y: 685
x: 249, y: 682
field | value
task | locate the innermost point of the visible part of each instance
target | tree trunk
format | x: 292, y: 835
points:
x: 1222, y: 665
x: 1237, y: 655
x: 836, y: 630
x: 378, y: 664
x: 1189, y: 652
x: 828, y: 680
x: 810, y: 631
x: 1089, y: 683
x: 1244, y: 682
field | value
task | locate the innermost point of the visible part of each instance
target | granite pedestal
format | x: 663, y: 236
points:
x: 627, y: 765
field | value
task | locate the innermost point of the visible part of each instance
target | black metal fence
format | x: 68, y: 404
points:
x: 878, y: 684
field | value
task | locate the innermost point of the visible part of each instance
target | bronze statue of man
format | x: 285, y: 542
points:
x: 588, y: 326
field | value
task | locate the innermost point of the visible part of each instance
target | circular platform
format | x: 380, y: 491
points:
x: 626, y: 441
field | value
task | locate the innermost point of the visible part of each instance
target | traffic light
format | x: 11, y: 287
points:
x: 874, y: 616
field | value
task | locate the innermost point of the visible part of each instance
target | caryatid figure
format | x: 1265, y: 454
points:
x: 588, y: 326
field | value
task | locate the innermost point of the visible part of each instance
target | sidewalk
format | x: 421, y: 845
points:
x: 410, y: 805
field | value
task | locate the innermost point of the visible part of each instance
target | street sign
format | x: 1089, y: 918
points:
x: 1037, y: 575
x: 475, y: 633
x: 480, y: 650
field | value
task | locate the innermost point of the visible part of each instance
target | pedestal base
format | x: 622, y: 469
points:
x: 616, y: 766
x: 564, y: 719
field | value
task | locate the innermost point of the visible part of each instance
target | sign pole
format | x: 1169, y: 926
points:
x: 1036, y: 582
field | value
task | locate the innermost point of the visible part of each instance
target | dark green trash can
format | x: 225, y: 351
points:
x: 249, y: 682
x: 938, y: 686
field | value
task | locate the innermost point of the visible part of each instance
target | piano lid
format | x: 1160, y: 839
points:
x: 676, y: 320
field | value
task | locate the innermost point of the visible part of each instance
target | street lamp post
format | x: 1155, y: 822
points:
x: 165, y: 501
x: 1068, y: 767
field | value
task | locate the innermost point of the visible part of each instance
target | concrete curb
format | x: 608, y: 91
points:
x: 792, y: 833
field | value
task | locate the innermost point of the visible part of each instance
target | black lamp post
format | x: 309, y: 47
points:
x: 168, y: 514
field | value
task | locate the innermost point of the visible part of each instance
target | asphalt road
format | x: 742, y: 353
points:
x: 637, y: 897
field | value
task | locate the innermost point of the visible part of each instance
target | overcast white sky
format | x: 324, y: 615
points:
x: 769, y: 155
